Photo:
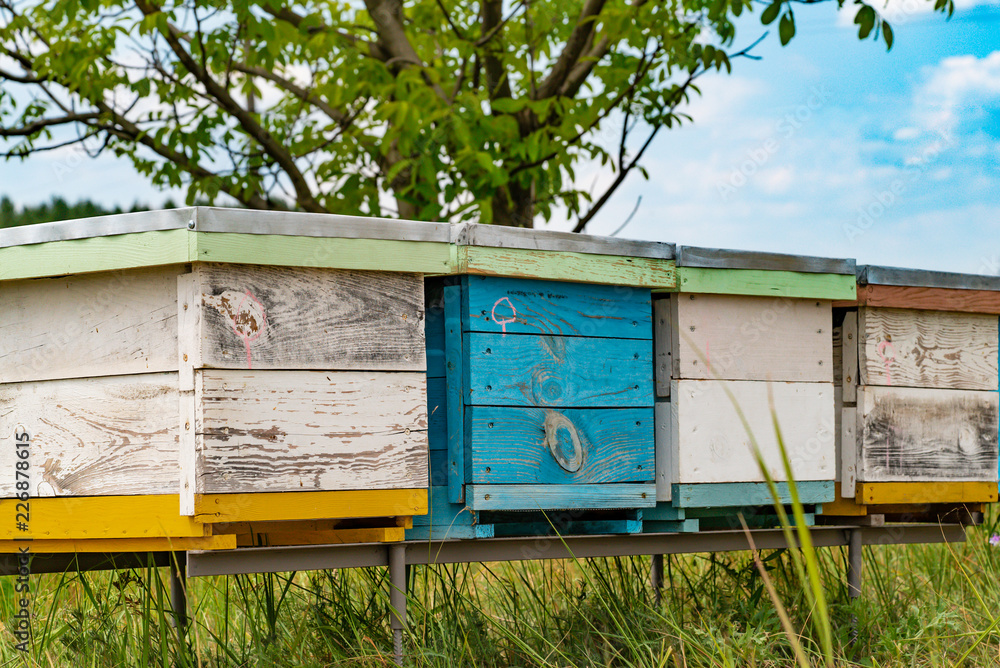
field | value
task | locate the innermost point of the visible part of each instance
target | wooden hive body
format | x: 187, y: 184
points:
x: 233, y: 403
x: 916, y: 368
x: 540, y: 391
x: 744, y: 341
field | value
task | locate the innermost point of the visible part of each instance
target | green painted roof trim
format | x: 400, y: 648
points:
x: 148, y: 249
x: 757, y: 282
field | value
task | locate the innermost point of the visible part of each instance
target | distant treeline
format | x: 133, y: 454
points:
x: 59, y: 209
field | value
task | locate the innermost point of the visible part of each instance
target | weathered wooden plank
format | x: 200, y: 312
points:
x: 711, y: 444
x: 917, y: 434
x: 288, y: 506
x: 111, y: 323
x: 908, y: 348
x: 531, y: 446
x: 766, y: 283
x: 558, y: 371
x: 931, y: 299
x: 663, y: 346
x: 450, y: 532
x: 438, y: 468
x: 926, y: 492
x: 838, y: 353
x: 114, y: 435
x: 123, y: 545
x: 844, y: 507
x: 188, y: 358
x: 752, y: 338
x: 849, y: 356
x: 664, y: 450
x: 445, y: 520
x: 79, y: 256
x: 735, y: 494
x: 99, y: 517
x: 565, y: 266
x: 848, y: 456
x: 519, y: 306
x: 560, y: 497
x: 302, y: 318
x: 284, y: 431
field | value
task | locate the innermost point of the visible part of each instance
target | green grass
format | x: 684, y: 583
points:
x: 924, y: 605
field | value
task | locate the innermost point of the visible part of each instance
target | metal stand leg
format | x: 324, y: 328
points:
x: 397, y: 598
x: 656, y: 578
x: 854, y: 564
x: 178, y: 599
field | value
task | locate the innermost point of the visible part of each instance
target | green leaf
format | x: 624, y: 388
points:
x: 771, y: 13
x: 865, y: 19
x: 786, y: 28
x: 887, y: 35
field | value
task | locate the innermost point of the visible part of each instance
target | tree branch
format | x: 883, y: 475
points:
x: 35, y: 126
x: 387, y: 15
x: 303, y: 193
x: 578, y: 41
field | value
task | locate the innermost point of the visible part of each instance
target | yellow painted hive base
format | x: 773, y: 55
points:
x: 899, y: 498
x: 221, y: 522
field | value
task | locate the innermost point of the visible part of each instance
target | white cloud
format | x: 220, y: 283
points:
x: 957, y: 87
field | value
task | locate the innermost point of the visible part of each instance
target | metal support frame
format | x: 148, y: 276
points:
x: 656, y: 578
x: 855, y: 559
x: 319, y: 557
x: 399, y: 556
x: 178, y: 596
x: 397, y: 598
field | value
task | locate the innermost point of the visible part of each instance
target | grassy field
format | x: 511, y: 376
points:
x: 931, y: 605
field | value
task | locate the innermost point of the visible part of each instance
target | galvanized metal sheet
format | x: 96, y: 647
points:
x: 242, y: 221
x: 920, y: 278
x: 101, y: 226
x: 496, y: 236
x: 719, y: 258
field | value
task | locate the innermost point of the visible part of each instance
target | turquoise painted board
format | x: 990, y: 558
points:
x: 446, y: 520
x: 437, y: 414
x: 557, y: 497
x: 546, y: 446
x: 434, y: 336
x: 557, y: 371
x: 582, y: 528
x: 454, y: 375
x: 735, y: 494
x: 664, y: 512
x: 667, y: 526
x: 520, y: 306
x: 732, y: 522
x: 438, y: 468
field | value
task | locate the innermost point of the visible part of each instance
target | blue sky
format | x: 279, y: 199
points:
x: 828, y: 146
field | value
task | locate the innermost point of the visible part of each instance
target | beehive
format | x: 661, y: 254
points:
x: 205, y: 378
x: 541, y: 385
x: 916, y: 367
x: 744, y: 336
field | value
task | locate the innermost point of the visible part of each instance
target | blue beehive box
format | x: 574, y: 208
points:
x: 540, y: 397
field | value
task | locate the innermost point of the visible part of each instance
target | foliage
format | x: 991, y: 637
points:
x: 451, y: 110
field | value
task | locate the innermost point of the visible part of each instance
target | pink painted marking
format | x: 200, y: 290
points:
x: 503, y: 323
x: 246, y: 315
x: 887, y: 353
